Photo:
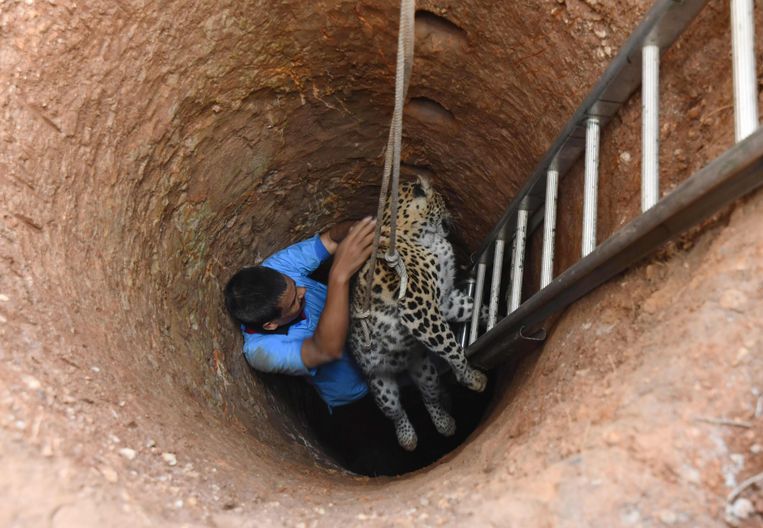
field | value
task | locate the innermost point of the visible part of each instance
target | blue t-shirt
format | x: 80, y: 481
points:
x: 338, y: 382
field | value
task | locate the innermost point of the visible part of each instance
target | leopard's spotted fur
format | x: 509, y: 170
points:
x: 391, y: 342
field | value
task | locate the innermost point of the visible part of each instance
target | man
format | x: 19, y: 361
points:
x: 295, y: 325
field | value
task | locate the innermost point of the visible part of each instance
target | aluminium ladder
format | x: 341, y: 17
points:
x: 738, y: 171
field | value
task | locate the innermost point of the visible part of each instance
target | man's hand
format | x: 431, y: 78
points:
x: 339, y: 231
x: 327, y: 343
x: 334, y: 235
x: 353, y: 251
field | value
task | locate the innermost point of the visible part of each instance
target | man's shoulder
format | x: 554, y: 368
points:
x: 299, y: 258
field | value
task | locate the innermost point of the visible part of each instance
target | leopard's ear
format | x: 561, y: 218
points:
x: 421, y: 187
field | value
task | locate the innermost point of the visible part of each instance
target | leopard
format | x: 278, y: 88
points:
x: 399, y: 335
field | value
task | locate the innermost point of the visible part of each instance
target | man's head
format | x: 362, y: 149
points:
x: 263, y: 298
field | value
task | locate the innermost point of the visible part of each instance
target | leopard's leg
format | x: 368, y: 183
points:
x: 424, y: 374
x: 387, y: 397
x: 457, y: 306
x: 431, y: 330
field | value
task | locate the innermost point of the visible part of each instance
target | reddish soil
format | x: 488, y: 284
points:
x: 148, y: 150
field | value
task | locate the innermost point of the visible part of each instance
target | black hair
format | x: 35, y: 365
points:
x: 252, y: 295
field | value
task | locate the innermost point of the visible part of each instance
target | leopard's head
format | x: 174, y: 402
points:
x: 420, y: 208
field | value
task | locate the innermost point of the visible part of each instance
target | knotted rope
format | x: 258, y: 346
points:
x: 392, y: 157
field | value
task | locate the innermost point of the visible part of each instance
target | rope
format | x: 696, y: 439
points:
x: 392, y: 156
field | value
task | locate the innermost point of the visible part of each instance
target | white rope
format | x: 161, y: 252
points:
x: 392, y: 157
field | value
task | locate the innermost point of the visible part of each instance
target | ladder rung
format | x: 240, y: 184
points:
x: 650, y: 128
x: 591, y: 185
x: 549, y: 228
x: 478, y: 290
x: 495, y: 284
x: 463, y: 331
x: 745, y: 80
x: 518, y: 260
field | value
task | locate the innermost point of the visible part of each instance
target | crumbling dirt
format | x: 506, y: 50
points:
x: 148, y: 150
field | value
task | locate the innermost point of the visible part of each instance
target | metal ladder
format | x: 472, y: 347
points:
x: 738, y: 171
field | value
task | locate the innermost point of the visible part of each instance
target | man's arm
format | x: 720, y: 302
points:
x: 301, y: 258
x: 274, y: 353
x: 327, y: 343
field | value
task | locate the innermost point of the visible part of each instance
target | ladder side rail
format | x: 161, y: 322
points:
x: 727, y: 178
x: 665, y: 22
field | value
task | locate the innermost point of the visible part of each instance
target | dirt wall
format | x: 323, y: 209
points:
x: 150, y: 149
